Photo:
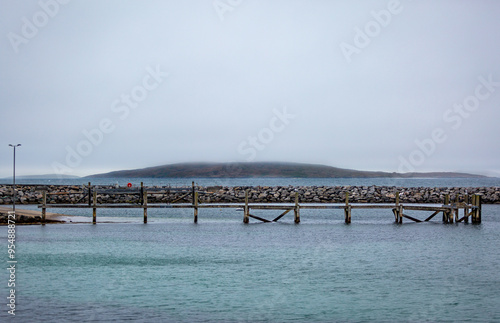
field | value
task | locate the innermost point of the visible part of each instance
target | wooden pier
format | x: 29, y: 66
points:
x: 450, y: 209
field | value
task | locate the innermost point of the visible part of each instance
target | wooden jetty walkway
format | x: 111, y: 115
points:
x: 469, y: 204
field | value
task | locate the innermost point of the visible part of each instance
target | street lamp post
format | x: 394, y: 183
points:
x: 14, y: 177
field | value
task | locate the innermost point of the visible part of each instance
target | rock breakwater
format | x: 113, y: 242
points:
x: 68, y: 194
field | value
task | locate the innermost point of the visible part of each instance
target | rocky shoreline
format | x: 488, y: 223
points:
x: 58, y: 194
x: 29, y: 217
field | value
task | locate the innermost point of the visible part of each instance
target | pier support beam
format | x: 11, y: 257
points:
x: 195, y: 207
x: 476, y: 213
x: 348, y: 215
x: 145, y: 203
x: 446, y: 214
x: 94, y: 209
x: 142, y: 193
x: 297, y: 209
x: 246, y: 210
x: 90, y: 193
x: 44, y: 204
x: 192, y: 190
x: 474, y: 210
x: 479, y: 205
x: 347, y: 209
x: 466, y: 208
x: 398, y: 211
x: 451, y: 212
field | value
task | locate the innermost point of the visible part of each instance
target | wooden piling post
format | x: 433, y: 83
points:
x: 296, y: 209
x: 195, y: 207
x: 347, y: 209
x: 466, y: 208
x: 94, y: 210
x: 397, y: 208
x: 397, y: 211
x: 145, y: 203
x: 473, y: 211
x: 192, y: 191
x: 451, y: 212
x: 142, y: 193
x: 89, y: 188
x: 457, y: 202
x: 246, y: 211
x: 446, y: 212
x: 44, y: 204
x: 395, y: 215
x: 479, y: 205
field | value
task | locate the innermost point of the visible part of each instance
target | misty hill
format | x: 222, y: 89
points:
x: 265, y: 169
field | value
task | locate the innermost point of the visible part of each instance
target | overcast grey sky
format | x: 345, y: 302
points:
x: 93, y: 86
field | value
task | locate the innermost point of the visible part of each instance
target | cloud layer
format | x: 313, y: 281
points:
x: 94, y: 86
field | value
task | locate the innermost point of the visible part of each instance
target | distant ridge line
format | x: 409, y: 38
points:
x: 266, y: 169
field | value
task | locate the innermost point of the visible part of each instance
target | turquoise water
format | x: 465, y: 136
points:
x: 220, y: 270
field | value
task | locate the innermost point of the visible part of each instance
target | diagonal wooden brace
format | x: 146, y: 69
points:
x: 282, y: 214
x: 432, y: 215
x: 258, y: 218
x: 411, y: 218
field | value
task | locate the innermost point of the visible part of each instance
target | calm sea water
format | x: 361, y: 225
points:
x: 401, y: 182
x: 220, y: 270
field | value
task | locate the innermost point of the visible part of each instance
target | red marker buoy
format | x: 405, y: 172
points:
x: 129, y: 185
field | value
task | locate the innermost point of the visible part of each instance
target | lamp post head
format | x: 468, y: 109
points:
x: 14, y: 145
